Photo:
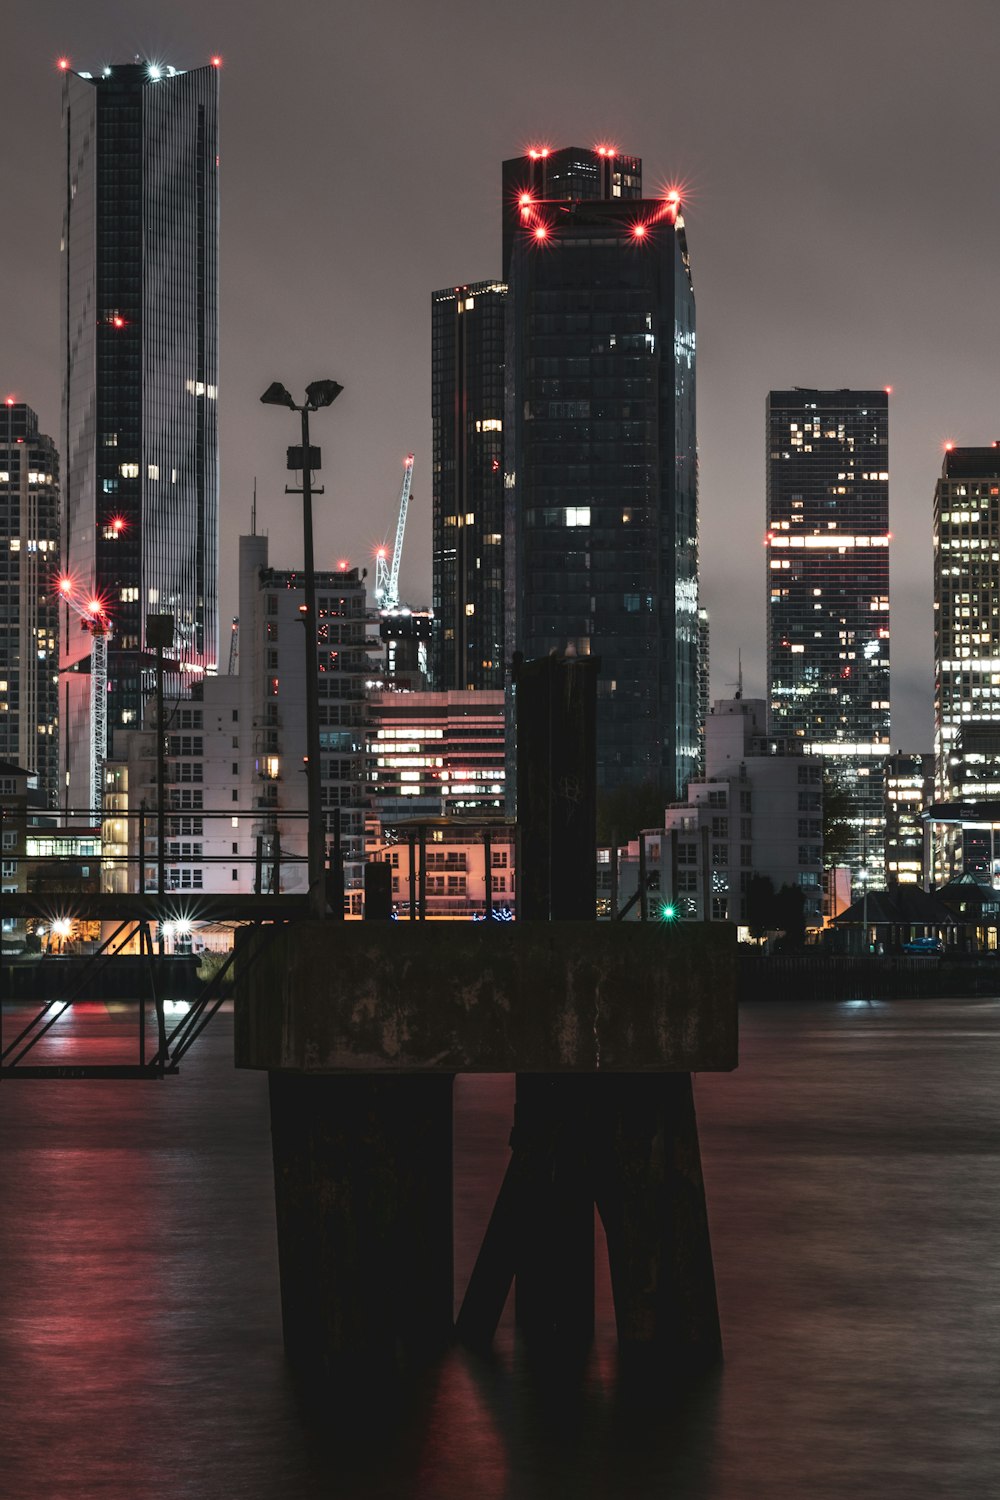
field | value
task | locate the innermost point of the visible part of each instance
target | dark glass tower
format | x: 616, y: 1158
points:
x: 828, y: 592
x: 29, y: 563
x: 600, y: 459
x: 467, y: 342
x: 140, y: 330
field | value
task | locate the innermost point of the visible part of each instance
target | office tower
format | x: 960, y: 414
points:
x: 704, y: 682
x: 827, y: 548
x: 909, y: 789
x: 29, y: 564
x: 431, y: 754
x: 467, y: 406
x: 139, y: 279
x: 601, y: 517
x: 966, y: 587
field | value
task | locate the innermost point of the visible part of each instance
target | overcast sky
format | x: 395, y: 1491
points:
x: 841, y: 204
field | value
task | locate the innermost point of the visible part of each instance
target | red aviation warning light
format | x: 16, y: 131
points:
x: 216, y: 62
x: 117, y: 525
x: 66, y: 585
x: 342, y: 565
x: 10, y: 400
x: 63, y: 65
x: 949, y: 445
x: 118, y: 321
x: 888, y: 390
x: 638, y: 231
x: 541, y: 232
x: 608, y: 151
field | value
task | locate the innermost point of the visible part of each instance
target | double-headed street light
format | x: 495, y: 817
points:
x: 319, y: 394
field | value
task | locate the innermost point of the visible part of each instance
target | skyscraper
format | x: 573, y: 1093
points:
x: 29, y: 561
x: 600, y: 464
x: 140, y: 331
x: 966, y: 588
x: 827, y: 549
x: 467, y: 385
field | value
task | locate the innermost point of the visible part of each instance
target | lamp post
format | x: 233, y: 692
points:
x: 319, y: 394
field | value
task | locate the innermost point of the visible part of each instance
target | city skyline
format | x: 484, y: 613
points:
x: 808, y: 227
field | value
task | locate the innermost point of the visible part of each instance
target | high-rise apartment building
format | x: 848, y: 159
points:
x: 909, y: 782
x: 600, y: 463
x: 29, y: 563
x: 467, y: 408
x: 966, y: 606
x: 139, y: 278
x: 827, y: 549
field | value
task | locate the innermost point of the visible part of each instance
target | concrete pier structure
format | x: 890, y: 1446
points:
x: 362, y: 1029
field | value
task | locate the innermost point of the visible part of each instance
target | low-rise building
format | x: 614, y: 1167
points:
x: 757, y: 812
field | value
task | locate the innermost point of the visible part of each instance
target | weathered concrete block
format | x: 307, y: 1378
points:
x: 446, y: 997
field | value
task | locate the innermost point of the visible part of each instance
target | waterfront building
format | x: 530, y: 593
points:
x: 909, y: 789
x: 29, y: 615
x: 440, y: 867
x: 235, y: 785
x: 139, y: 279
x: 966, y: 609
x: 827, y: 559
x: 599, y: 452
x: 758, y: 811
x: 467, y: 415
x: 273, y: 715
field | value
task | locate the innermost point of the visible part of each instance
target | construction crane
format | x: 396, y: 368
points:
x: 234, y: 647
x: 386, y: 573
x: 94, y: 617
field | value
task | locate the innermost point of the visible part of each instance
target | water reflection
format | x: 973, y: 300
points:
x: 851, y: 1168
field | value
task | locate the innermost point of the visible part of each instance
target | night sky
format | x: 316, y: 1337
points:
x: 839, y: 167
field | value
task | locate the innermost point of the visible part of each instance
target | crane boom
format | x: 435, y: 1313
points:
x: 234, y: 647
x: 386, y: 573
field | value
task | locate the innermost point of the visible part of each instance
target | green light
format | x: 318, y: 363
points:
x: 668, y: 913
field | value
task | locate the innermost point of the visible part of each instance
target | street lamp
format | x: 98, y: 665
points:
x: 319, y: 394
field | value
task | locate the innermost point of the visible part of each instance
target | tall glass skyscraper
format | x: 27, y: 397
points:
x: 827, y: 549
x: 29, y: 562
x: 139, y: 277
x: 600, y: 461
x: 467, y: 400
x: 966, y: 609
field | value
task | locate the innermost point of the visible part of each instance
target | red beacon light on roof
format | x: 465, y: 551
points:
x: 638, y: 231
x: 525, y: 200
x: 608, y: 151
x: 216, y: 62
x: 63, y: 65
x: 10, y: 401
x: 949, y: 445
x: 342, y: 565
x: 65, y: 585
x: 541, y: 232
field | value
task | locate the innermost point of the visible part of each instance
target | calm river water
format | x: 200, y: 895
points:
x: 854, y: 1194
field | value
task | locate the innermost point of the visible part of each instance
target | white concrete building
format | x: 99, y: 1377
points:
x: 758, y: 811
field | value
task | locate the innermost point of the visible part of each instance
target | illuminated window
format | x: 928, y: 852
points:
x: 129, y: 471
x: 577, y: 515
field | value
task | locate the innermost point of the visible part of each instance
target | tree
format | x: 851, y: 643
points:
x: 837, y: 810
x: 790, y: 917
x: 760, y: 905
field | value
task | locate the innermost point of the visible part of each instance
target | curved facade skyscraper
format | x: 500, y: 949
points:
x: 140, y: 322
